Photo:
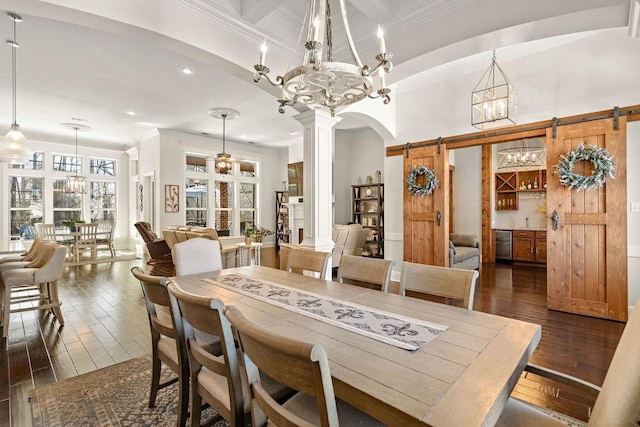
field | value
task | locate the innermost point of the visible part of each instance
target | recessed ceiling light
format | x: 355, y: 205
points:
x: 204, y: 133
x: 131, y: 113
x: 293, y: 132
x: 243, y: 136
x: 187, y: 70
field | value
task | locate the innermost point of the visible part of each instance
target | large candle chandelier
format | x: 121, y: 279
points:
x: 319, y: 81
x: 14, y: 147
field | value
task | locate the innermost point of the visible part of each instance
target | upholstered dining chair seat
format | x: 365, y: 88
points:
x: 523, y: 414
x: 305, y: 407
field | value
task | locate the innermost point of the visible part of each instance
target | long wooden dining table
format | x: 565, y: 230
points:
x: 463, y: 377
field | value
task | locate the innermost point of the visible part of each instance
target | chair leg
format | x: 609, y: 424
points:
x: 53, y: 298
x: 155, y: 375
x: 183, y: 399
x: 196, y: 405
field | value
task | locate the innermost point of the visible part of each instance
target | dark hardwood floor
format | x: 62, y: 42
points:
x: 106, y: 323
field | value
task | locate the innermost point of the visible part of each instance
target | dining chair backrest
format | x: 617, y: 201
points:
x: 197, y: 256
x: 203, y: 318
x: 46, y: 231
x: 619, y: 400
x: 299, y: 365
x: 373, y: 273
x: 168, y: 345
x: 29, y: 255
x: 105, y: 237
x: 443, y: 282
x: 301, y: 260
x: 43, y: 255
x: 52, y: 270
x: 87, y: 233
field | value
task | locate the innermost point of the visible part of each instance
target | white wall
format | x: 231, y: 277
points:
x: 633, y: 219
x: 357, y: 154
x: 467, y: 199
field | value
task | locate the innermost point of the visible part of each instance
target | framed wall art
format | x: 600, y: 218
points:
x: 171, y: 198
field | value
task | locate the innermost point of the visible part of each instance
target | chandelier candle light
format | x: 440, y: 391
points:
x: 76, y: 184
x: 14, y: 148
x: 319, y: 81
x: 494, y: 100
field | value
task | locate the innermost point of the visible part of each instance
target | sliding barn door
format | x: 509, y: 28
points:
x: 587, y: 253
x: 426, y: 219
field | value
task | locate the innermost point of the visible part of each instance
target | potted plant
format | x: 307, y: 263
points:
x: 71, y: 223
x: 248, y: 234
x: 260, y: 233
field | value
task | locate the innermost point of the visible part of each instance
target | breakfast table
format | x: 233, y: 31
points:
x: 423, y: 363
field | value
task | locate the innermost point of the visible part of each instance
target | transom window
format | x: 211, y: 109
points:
x: 102, y: 167
x: 36, y: 162
x: 64, y: 163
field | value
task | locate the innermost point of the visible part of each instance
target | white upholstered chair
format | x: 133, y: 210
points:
x: 303, y: 367
x: 442, y: 282
x: 196, y: 256
x: 373, y: 273
x: 28, y: 255
x: 617, y: 402
x: 45, y: 278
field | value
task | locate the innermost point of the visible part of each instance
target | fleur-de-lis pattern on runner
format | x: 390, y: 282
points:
x: 403, y: 332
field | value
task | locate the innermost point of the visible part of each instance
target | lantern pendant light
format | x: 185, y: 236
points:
x: 76, y: 184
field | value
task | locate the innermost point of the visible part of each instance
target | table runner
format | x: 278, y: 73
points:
x: 394, y: 329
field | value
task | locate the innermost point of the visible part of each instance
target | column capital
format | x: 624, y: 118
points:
x: 317, y: 116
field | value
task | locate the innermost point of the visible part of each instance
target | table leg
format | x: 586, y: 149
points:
x: 258, y: 262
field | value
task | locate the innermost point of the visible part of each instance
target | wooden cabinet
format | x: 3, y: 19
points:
x: 282, y: 218
x: 530, y: 246
x: 367, y: 208
x: 509, y: 185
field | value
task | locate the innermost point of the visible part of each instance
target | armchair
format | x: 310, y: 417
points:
x: 158, y: 248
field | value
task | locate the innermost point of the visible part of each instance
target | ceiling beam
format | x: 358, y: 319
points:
x: 254, y: 10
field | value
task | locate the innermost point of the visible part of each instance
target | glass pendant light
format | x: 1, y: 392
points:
x: 14, y: 147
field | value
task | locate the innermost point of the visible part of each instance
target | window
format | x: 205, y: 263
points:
x: 103, y: 201
x: 66, y: 206
x: 247, y: 206
x: 224, y: 207
x: 102, y: 167
x: 36, y: 162
x: 25, y: 202
x: 196, y: 163
x: 67, y: 164
x: 196, y: 193
x: 248, y: 169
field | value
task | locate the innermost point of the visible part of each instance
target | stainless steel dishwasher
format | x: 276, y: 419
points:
x: 503, y: 244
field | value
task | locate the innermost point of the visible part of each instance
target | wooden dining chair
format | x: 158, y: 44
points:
x: 372, y: 273
x: 44, y: 278
x: 104, y: 238
x: 196, y: 255
x: 300, y: 365
x: 444, y: 283
x: 617, y: 402
x: 87, y: 238
x: 166, y: 346
x: 213, y: 359
x: 301, y: 260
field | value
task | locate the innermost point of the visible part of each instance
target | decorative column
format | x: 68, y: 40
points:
x: 318, y: 136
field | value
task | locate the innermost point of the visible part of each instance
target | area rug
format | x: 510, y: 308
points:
x: 121, y: 255
x: 114, y: 396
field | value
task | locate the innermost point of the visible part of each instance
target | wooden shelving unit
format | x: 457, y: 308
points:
x: 367, y: 209
x: 510, y: 184
x: 282, y: 218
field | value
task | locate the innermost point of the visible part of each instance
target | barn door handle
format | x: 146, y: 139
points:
x: 438, y: 218
x: 554, y: 220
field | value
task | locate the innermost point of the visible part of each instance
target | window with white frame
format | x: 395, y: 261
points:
x: 102, y: 167
x: 36, y: 162
x: 66, y: 206
x: 103, y: 201
x: 196, y: 208
x: 25, y: 202
x: 196, y: 163
x: 65, y: 163
x: 236, y: 200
